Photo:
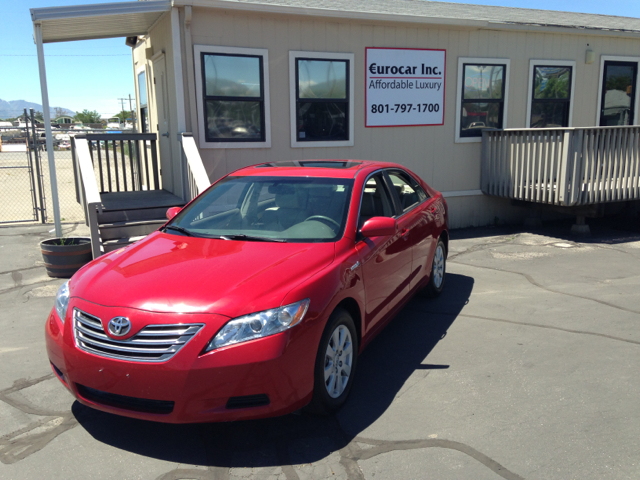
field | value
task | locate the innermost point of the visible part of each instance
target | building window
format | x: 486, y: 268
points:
x: 618, y: 93
x: 321, y: 103
x: 483, y: 92
x: 233, y: 85
x: 233, y: 98
x: 144, y: 106
x: 551, y: 97
x: 551, y: 88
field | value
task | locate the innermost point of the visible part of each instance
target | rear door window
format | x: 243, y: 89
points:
x: 407, y: 190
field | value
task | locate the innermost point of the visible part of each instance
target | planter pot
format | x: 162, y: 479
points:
x: 64, y: 257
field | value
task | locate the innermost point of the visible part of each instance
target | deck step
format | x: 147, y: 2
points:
x: 140, y: 214
x: 116, y: 230
x: 111, y: 245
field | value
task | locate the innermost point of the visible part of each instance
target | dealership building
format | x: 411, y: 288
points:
x: 407, y: 81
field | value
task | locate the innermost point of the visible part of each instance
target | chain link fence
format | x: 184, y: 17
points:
x: 17, y: 181
x: 25, y: 186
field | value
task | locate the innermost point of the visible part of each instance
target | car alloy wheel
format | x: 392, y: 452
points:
x: 438, y: 266
x: 438, y: 270
x: 338, y: 360
x: 335, y: 363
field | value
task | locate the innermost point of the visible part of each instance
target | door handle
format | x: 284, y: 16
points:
x: 165, y: 134
x: 433, y: 209
x: 404, y: 233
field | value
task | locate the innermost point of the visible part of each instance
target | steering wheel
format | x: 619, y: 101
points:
x: 322, y: 217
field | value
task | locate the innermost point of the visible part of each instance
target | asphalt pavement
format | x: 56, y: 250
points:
x: 527, y: 367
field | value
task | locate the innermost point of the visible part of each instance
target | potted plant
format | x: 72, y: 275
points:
x: 64, y: 256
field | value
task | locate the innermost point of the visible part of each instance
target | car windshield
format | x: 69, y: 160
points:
x: 278, y: 209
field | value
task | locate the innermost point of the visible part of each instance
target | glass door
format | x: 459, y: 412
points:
x: 617, y: 105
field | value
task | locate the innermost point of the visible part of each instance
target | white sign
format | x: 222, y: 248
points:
x: 405, y: 87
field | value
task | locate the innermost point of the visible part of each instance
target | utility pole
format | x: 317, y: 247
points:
x: 133, y: 117
x: 122, y: 100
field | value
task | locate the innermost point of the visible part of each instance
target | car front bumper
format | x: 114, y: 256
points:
x: 227, y: 384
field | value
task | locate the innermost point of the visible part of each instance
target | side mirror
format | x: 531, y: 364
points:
x: 172, y: 212
x: 379, y: 227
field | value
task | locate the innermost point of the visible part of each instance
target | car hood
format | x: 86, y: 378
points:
x: 171, y: 273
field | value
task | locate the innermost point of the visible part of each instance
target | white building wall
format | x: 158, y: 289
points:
x: 429, y: 151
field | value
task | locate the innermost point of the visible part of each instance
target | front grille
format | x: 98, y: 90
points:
x: 154, y: 343
x: 128, y: 403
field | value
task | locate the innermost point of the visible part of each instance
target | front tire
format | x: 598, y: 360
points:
x: 335, y: 363
x: 438, y: 270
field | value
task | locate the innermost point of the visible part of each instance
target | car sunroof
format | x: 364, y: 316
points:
x: 311, y: 164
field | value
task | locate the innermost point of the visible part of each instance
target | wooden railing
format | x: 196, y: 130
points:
x: 88, y: 192
x: 124, y: 162
x: 562, y: 166
x: 197, y: 180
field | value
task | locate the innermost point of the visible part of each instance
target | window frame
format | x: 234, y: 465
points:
x: 293, y: 97
x: 618, y: 58
x: 550, y: 63
x: 139, y: 121
x: 462, y: 61
x: 198, y: 51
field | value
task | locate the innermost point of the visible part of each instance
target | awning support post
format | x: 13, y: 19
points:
x: 47, y: 127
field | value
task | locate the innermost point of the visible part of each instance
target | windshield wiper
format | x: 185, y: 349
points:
x: 179, y: 229
x: 251, y: 238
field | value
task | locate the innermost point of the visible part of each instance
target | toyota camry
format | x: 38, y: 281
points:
x: 256, y: 298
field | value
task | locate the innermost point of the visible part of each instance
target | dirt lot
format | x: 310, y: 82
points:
x: 526, y: 367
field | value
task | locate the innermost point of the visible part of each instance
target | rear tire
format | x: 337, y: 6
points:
x: 335, y: 363
x: 438, y: 271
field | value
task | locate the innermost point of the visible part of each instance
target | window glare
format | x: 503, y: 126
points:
x: 552, y: 82
x: 483, y: 81
x: 142, y: 87
x: 232, y: 76
x: 322, y: 79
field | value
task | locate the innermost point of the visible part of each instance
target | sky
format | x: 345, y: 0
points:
x: 94, y: 74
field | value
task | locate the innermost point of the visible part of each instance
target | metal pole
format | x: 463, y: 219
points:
x: 35, y: 145
x: 47, y: 127
x: 133, y: 117
x: 34, y: 197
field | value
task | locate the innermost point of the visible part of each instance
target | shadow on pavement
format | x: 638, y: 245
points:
x: 300, y: 438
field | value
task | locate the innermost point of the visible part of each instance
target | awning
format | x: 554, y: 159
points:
x: 106, y: 20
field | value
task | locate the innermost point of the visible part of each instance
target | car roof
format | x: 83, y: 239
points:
x: 312, y: 168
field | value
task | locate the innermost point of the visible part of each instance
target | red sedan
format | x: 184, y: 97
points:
x: 256, y: 298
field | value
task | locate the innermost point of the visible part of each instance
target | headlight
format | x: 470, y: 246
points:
x: 62, y: 300
x: 260, y: 324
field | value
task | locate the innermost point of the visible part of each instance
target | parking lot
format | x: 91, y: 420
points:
x: 525, y: 368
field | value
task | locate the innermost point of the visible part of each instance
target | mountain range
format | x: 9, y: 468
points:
x: 13, y: 108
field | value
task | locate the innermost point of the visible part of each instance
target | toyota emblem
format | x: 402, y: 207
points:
x: 119, y: 326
